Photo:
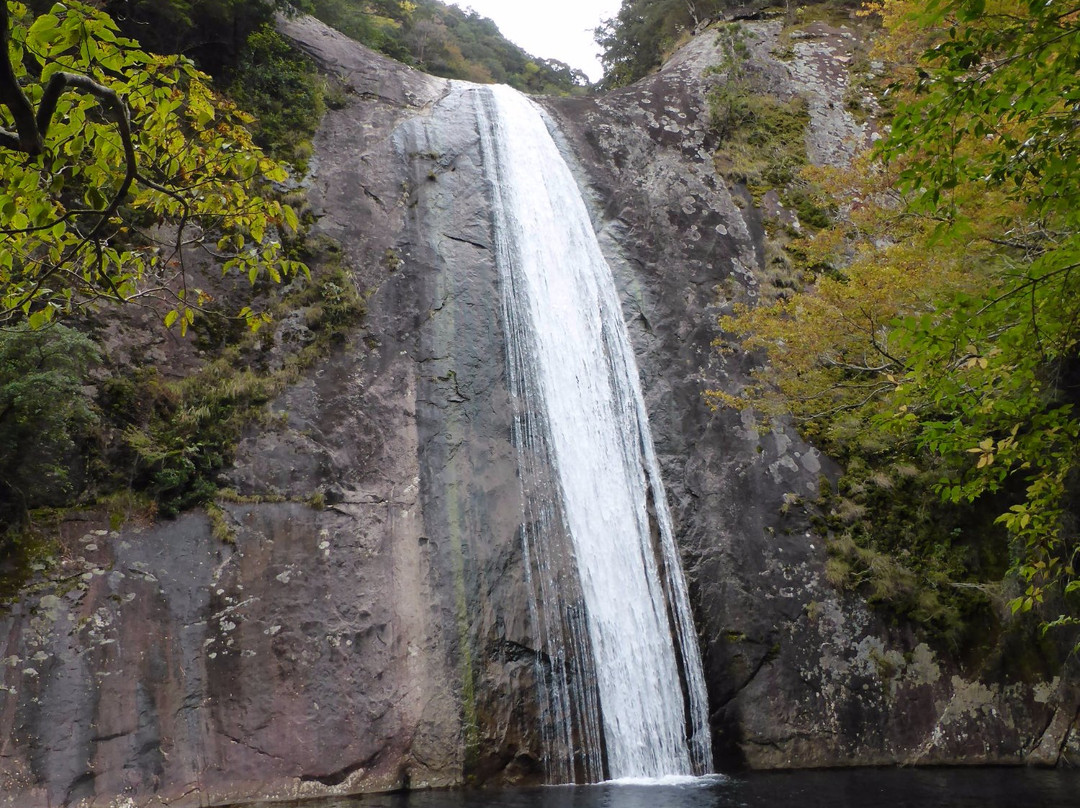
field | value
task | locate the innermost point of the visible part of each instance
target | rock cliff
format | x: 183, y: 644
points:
x: 383, y: 641
x: 799, y: 674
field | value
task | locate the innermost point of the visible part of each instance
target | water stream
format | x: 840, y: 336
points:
x: 622, y: 678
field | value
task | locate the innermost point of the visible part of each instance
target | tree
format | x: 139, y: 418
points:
x: 996, y: 113
x: 635, y: 40
x: 210, y: 32
x: 43, y: 411
x: 424, y: 33
x: 949, y: 325
x: 114, y: 165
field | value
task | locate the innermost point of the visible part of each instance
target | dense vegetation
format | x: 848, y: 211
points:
x: 118, y: 140
x: 446, y: 41
x: 934, y: 347
x: 131, y: 180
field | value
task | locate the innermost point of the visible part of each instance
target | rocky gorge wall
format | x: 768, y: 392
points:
x: 384, y: 641
x: 799, y: 673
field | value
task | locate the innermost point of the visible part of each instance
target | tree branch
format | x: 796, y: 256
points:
x: 9, y: 140
x: 27, y: 138
x: 58, y: 83
x: 111, y: 101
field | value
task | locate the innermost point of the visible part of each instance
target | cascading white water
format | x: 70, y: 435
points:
x: 582, y: 430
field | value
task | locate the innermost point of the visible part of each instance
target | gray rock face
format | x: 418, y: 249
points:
x: 188, y: 669
x: 384, y: 641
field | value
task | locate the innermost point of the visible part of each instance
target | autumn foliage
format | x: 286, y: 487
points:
x: 940, y: 325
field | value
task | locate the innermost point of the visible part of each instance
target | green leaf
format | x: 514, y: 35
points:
x: 39, y: 318
x: 290, y: 218
x: 44, y: 30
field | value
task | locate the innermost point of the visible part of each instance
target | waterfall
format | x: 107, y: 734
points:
x: 622, y: 681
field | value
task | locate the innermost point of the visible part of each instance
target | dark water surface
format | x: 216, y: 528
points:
x: 858, y: 788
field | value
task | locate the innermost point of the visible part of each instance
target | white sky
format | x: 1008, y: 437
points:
x: 551, y: 29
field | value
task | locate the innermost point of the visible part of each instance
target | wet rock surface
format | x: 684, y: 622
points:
x: 382, y: 639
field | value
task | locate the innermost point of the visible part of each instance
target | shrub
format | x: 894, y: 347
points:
x: 44, y: 414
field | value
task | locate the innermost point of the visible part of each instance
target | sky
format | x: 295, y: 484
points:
x: 551, y: 29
